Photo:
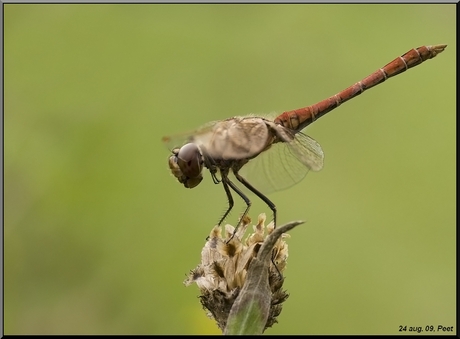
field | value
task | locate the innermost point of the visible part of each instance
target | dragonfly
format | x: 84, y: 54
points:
x: 264, y: 154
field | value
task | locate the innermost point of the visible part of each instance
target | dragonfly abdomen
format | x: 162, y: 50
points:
x: 300, y: 118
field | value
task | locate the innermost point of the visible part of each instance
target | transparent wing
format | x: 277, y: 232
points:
x: 308, y: 151
x: 178, y: 140
x: 233, y: 139
x: 284, y: 164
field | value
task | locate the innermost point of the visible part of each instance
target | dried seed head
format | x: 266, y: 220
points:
x: 224, y: 266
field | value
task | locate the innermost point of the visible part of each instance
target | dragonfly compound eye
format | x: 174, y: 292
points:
x: 177, y: 172
x: 190, y: 162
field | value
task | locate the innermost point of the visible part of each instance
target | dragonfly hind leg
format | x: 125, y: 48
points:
x: 270, y: 204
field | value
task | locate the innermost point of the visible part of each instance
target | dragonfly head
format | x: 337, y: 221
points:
x: 186, y: 164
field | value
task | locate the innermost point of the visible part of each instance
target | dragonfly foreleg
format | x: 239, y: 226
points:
x: 210, y: 164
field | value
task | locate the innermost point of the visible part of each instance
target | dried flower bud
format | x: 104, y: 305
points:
x: 223, y: 271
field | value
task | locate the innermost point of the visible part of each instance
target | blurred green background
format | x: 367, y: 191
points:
x: 98, y: 235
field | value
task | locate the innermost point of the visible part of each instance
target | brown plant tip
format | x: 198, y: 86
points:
x: 224, y: 265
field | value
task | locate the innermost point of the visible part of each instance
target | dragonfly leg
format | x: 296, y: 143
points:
x: 269, y: 204
x: 243, y: 196
x: 226, y: 181
x: 211, y: 165
x: 259, y: 194
x: 229, y: 197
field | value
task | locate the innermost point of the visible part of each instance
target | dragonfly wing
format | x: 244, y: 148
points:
x: 179, y: 140
x: 235, y: 138
x: 308, y: 151
x: 284, y: 164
